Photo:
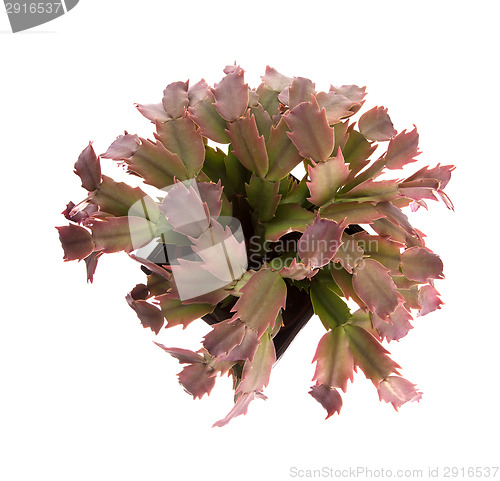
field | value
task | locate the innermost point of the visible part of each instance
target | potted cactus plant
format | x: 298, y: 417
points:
x: 270, y: 207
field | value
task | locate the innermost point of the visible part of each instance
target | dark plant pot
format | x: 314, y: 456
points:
x: 298, y: 310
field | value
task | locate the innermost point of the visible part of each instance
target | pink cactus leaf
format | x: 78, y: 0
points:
x: 402, y: 150
x: 349, y: 253
x: 402, y: 202
x: 411, y: 297
x: 396, y: 327
x: 231, y: 68
x: 275, y: 80
x: 198, y: 92
x: 284, y: 96
x: 261, y: 299
x: 175, y: 99
x: 180, y: 137
x: 310, y: 131
x: 256, y: 373
x: 377, y: 125
x: 421, y: 264
x: 123, y: 147
x: 371, y: 190
x: 375, y: 287
x: 353, y: 212
x: 211, y: 194
x: 119, y: 199
x: 382, y: 249
x: 231, y: 95
x: 428, y: 298
x: 357, y: 151
x: 248, y: 146
x: 184, y: 356
x: 246, y: 349
x: 441, y: 172
x: 395, y: 215
x: 344, y: 280
x: 416, y: 204
x: 326, y: 178
x: 447, y: 201
x: 210, y: 123
x: 153, y: 112
x: 197, y: 379
x: 156, y: 164
x: 334, y: 362
x: 253, y: 98
x: 328, y: 397
x: 79, y: 214
x: 240, y: 407
x: 298, y: 271
x: 185, y: 210
x: 336, y: 105
x: 76, y: 242
x: 320, y: 242
x: 352, y: 92
x: 176, y: 313
x: 88, y: 168
x: 418, y: 193
x: 288, y: 218
x: 300, y: 90
x: 150, y: 316
x: 421, y: 184
x: 224, y: 337
x: 398, y: 391
x: 384, y: 227
x: 426, y: 182
x: 91, y: 264
x: 283, y: 155
x: 369, y: 355
x: 115, y: 234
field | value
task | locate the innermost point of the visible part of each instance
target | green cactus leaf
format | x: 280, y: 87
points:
x: 180, y: 137
x: 288, y: 218
x: 263, y: 197
x: 327, y: 304
x: 248, y: 145
x: 283, y: 155
x: 369, y: 354
x: 310, y: 131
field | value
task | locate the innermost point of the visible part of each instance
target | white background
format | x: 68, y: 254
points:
x: 84, y: 393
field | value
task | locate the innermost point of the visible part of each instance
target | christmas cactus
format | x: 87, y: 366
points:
x: 232, y: 236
